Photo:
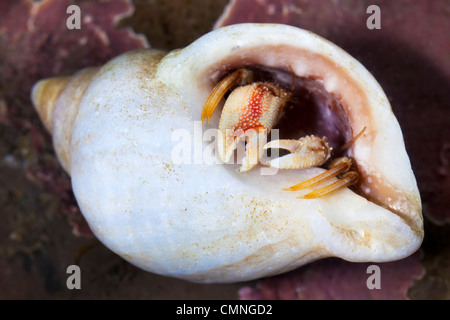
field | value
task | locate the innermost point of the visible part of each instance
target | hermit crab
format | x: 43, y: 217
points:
x: 251, y: 111
x: 119, y: 129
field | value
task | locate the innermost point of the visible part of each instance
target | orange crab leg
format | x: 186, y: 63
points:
x: 338, y: 166
x: 220, y: 90
x: 347, y: 179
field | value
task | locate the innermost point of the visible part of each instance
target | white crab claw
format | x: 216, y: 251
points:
x: 256, y: 139
x: 309, y: 151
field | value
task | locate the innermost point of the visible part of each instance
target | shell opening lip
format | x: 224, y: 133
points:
x: 379, y: 153
x: 313, y: 110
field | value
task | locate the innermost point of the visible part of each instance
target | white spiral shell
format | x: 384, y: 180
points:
x: 114, y: 130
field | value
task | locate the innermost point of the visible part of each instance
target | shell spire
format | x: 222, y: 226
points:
x: 56, y: 100
x: 44, y: 96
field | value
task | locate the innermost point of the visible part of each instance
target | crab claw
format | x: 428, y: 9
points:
x: 249, y: 112
x: 255, y: 141
x: 309, y: 151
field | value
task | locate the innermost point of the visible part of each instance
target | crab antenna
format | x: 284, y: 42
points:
x: 352, y: 140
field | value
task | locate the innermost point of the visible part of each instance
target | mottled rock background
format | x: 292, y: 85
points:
x: 42, y: 230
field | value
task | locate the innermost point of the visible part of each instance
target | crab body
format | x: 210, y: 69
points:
x: 250, y: 112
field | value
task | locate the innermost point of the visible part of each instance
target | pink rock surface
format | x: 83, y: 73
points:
x: 36, y: 44
x: 335, y: 279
